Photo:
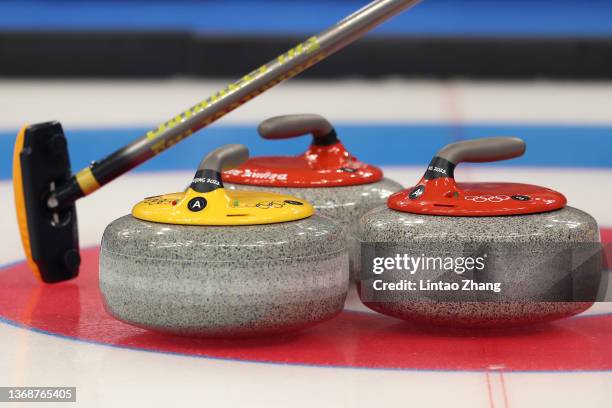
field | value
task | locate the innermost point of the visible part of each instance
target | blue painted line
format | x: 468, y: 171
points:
x: 561, y: 18
x: 385, y: 145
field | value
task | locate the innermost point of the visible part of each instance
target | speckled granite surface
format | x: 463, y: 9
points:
x: 224, y: 281
x: 344, y: 204
x: 541, y: 260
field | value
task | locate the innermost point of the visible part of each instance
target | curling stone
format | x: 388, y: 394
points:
x: 327, y: 175
x: 478, y: 254
x: 213, y: 262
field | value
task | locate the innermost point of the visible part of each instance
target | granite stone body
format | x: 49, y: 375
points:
x: 344, y: 204
x: 542, y: 261
x: 224, y: 281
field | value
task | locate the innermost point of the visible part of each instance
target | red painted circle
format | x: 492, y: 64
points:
x: 319, y: 166
x: 353, y: 339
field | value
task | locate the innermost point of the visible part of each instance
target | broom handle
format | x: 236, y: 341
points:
x: 285, y: 66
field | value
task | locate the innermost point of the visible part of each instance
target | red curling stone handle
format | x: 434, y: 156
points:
x: 487, y: 149
x: 289, y: 126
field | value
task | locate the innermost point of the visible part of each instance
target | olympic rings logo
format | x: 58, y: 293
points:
x: 265, y: 205
x: 491, y: 199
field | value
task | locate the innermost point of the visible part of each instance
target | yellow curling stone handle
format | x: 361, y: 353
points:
x: 206, y: 202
